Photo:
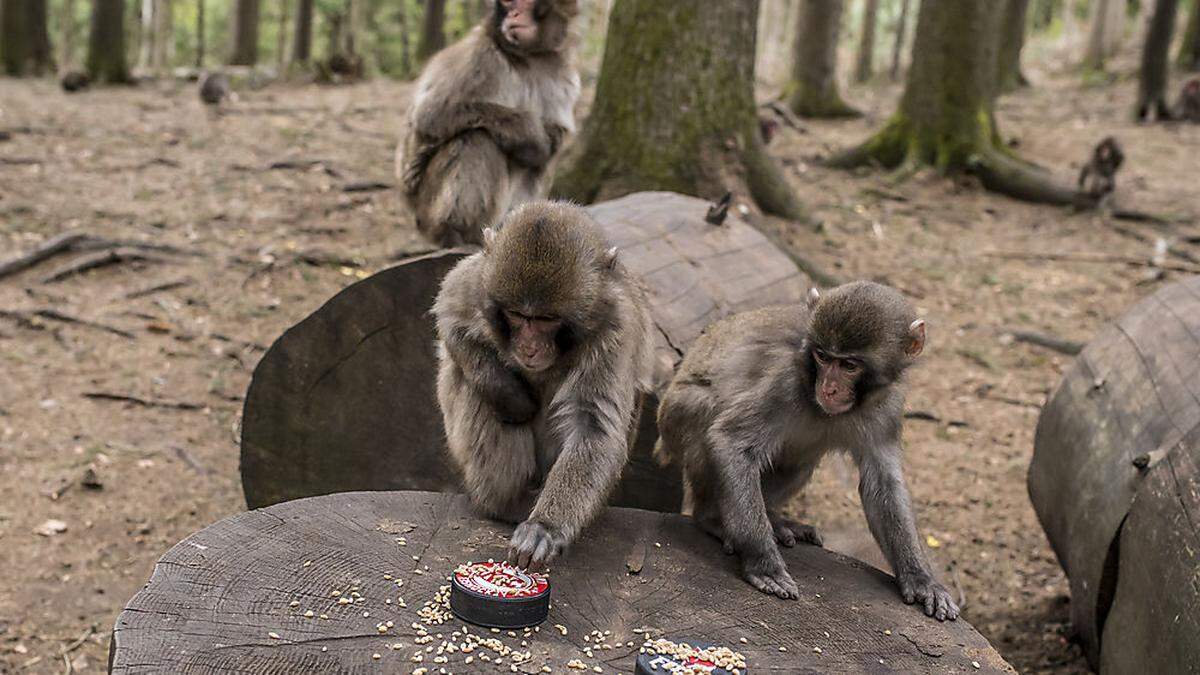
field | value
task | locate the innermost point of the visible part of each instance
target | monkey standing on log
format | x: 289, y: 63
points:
x: 490, y: 113
x: 544, y: 346
x: 762, y: 396
x: 1098, y: 178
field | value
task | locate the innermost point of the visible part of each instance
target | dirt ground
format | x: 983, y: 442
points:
x: 255, y: 249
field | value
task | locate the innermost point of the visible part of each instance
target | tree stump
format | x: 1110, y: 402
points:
x: 1114, y: 481
x: 345, y: 399
x: 222, y: 599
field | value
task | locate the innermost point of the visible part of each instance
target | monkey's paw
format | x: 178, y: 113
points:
x: 788, y: 532
x: 533, y: 545
x: 769, y: 574
x: 920, y: 588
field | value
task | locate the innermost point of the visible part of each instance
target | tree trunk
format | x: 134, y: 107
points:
x: 354, y: 28
x: 281, y: 37
x: 433, y: 36
x: 68, y: 34
x: 157, y: 28
x: 107, y: 61
x: 1044, y: 12
x: 668, y: 115
x: 15, y: 41
x: 41, y: 51
x: 775, y: 35
x: 813, y: 89
x: 245, y: 33
x: 1152, y: 77
x: 1108, y: 27
x: 164, y: 34
x: 302, y: 48
x: 200, y: 28
x: 946, y: 117
x: 1012, y: 41
x: 1189, y: 51
x: 898, y: 45
x: 146, y: 48
x: 866, y: 45
x: 406, y: 67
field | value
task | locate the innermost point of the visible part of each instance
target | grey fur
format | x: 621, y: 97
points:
x: 741, y: 420
x: 552, y: 471
x: 484, y: 124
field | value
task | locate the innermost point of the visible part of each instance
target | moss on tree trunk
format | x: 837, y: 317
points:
x: 946, y: 118
x: 1152, y: 77
x: 813, y: 90
x: 675, y: 109
x: 106, y: 43
x: 1012, y: 41
x: 1189, y: 50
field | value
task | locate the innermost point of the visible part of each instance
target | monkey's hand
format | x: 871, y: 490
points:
x: 768, y: 573
x: 512, y: 398
x: 788, y: 531
x: 533, y: 545
x: 921, y: 588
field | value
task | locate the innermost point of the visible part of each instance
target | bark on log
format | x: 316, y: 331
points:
x: 220, y: 601
x: 1115, y: 485
x: 345, y: 399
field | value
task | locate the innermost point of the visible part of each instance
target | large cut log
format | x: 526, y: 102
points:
x: 1115, y: 485
x: 221, y: 601
x: 345, y: 399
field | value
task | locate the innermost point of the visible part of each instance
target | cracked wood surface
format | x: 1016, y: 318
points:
x: 1113, y: 481
x: 215, y: 599
x: 345, y: 399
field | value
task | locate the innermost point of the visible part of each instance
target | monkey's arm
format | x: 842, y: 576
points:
x: 516, y: 132
x: 591, y: 416
x: 504, y: 390
x: 889, y: 514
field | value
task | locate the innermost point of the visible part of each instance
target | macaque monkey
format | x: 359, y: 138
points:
x: 74, y: 81
x: 214, y: 88
x: 1098, y: 177
x: 489, y: 114
x: 544, y: 345
x: 762, y: 396
x: 1188, y: 108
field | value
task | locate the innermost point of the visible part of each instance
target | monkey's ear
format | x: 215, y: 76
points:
x: 916, y: 338
x: 813, y: 296
x: 609, y: 259
x: 489, y: 238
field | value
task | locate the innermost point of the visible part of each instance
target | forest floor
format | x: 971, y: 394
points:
x: 257, y: 248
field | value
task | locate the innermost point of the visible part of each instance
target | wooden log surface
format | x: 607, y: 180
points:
x: 1114, y: 483
x: 220, y: 601
x: 345, y: 399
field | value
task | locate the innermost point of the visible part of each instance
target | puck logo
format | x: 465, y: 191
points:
x: 692, y: 664
x: 501, y: 580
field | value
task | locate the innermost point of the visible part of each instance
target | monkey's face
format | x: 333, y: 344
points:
x: 532, y: 26
x: 533, y: 340
x: 837, y: 380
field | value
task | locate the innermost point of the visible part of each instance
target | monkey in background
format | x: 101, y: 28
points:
x: 763, y: 395
x: 1188, y: 108
x: 1098, y: 178
x: 544, y: 345
x: 489, y: 114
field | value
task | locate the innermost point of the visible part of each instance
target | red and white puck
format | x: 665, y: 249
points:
x: 664, y: 657
x: 499, y: 595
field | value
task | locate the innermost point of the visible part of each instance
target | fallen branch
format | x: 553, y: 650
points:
x: 25, y: 320
x: 75, y: 242
x: 145, y: 403
x: 1060, y: 345
x: 108, y: 258
x: 789, y: 118
x: 169, y: 286
x: 1182, y: 254
x: 305, y: 165
x: 1093, y: 258
x: 366, y: 186
x: 20, y: 161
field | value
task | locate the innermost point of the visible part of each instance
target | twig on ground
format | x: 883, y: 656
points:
x: 160, y: 288
x: 107, y: 258
x: 1093, y: 258
x: 366, y: 186
x: 145, y: 403
x: 1058, y: 344
x: 75, y: 242
x: 24, y: 320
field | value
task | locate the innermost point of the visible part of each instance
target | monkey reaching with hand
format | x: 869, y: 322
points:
x: 762, y: 396
x: 544, y: 346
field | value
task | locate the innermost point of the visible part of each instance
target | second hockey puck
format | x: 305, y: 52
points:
x: 664, y: 657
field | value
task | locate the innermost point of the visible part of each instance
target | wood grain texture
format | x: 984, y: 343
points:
x: 345, y: 399
x: 1113, y: 483
x: 214, y: 599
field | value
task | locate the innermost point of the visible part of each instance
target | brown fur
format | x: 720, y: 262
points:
x: 542, y: 448
x: 741, y: 419
x: 486, y: 120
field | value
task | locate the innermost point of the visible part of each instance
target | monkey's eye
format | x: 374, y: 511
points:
x: 852, y: 366
x: 820, y: 356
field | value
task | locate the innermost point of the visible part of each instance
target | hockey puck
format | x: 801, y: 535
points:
x: 498, y: 595
x: 664, y: 657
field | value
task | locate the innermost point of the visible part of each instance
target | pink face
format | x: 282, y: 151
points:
x: 533, y: 344
x: 519, y: 25
x: 836, y: 380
